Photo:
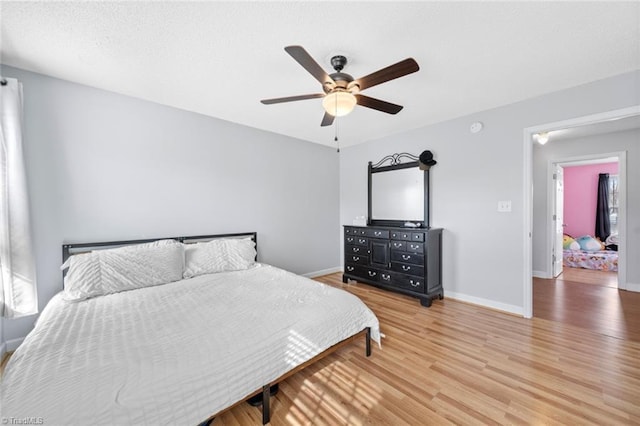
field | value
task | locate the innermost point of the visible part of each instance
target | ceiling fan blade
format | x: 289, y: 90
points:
x: 391, y: 72
x: 374, y: 103
x: 327, y: 120
x: 292, y: 98
x: 308, y: 63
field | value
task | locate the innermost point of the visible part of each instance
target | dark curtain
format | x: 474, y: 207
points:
x: 603, y: 226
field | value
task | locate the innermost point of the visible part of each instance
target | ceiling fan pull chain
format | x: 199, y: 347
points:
x: 336, y: 126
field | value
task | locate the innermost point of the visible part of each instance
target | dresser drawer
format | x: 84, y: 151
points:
x: 350, y: 231
x: 354, y: 270
x: 406, y: 268
x: 363, y: 272
x: 357, y: 250
x: 404, y: 257
x: 415, y: 248
x: 387, y: 278
x: 357, y: 259
x: 361, y: 241
x: 371, y: 274
x: 417, y: 236
x: 410, y: 283
x: 401, y: 235
x: 398, y: 245
x: 377, y: 233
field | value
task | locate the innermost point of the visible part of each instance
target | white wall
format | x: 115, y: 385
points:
x: 483, y: 249
x: 628, y: 141
x: 103, y: 166
x: 3, y: 345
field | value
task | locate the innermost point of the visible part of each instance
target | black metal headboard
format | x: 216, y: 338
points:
x: 74, y: 248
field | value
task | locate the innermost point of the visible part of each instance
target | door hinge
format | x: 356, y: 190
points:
x: 555, y: 176
x: 554, y: 217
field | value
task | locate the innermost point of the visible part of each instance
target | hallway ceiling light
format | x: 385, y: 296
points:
x: 542, y: 138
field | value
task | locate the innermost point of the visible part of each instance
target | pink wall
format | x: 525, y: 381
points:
x: 580, y: 196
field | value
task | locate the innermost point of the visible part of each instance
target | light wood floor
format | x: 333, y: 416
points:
x: 456, y: 363
x: 591, y: 300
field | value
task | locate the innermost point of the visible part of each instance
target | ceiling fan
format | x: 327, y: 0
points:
x: 341, y: 91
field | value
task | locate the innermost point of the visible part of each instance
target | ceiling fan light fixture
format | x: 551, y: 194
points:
x: 339, y: 103
x: 353, y: 88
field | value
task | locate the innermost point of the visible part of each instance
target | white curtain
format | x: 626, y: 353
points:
x: 18, y: 279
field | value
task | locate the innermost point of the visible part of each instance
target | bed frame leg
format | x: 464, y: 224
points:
x: 266, y: 415
x: 368, y: 342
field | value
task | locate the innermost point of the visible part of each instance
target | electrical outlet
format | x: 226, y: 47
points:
x: 504, y: 206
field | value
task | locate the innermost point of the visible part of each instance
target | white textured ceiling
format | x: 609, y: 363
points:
x: 221, y: 58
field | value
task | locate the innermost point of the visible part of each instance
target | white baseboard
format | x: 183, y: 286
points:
x: 540, y: 274
x: 12, y: 345
x: 512, y: 309
x: 632, y: 287
x: 322, y: 272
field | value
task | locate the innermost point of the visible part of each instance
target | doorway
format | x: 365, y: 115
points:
x: 573, y: 198
x: 581, y: 288
x: 529, y: 139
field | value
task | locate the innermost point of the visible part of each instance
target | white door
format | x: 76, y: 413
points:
x: 558, y: 219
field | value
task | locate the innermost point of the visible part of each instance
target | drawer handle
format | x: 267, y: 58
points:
x: 405, y: 268
x: 362, y: 240
x: 377, y: 233
x: 372, y: 274
x: 356, y: 249
x: 349, y: 268
x: 414, y: 246
x: 350, y: 239
x: 404, y: 235
x: 396, y: 245
x: 414, y: 283
x: 356, y: 258
x: 406, y: 257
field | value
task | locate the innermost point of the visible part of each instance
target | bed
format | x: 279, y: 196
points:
x: 602, y: 260
x: 179, y: 352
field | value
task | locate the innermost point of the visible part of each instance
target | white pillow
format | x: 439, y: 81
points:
x: 229, y: 254
x: 125, y: 268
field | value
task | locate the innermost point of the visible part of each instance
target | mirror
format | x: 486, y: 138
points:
x: 398, y: 195
x: 398, y: 192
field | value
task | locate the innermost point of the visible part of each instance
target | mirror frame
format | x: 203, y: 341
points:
x: 395, y: 162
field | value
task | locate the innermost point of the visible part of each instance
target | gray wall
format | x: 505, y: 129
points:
x: 628, y: 141
x: 103, y: 166
x: 483, y: 249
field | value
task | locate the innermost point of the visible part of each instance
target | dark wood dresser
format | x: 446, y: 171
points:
x: 404, y: 260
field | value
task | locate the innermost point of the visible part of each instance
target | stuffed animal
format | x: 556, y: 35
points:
x: 588, y: 243
x: 569, y: 243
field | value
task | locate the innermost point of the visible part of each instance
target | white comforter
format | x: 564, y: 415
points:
x: 175, y: 353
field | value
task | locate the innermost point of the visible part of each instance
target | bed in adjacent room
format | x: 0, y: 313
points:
x: 177, y: 352
x: 589, y: 253
x: 602, y: 260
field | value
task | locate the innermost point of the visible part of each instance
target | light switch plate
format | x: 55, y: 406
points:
x: 504, y: 206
